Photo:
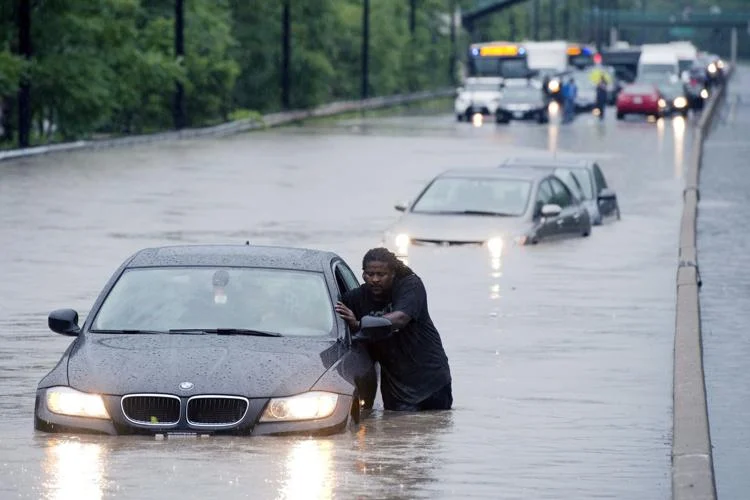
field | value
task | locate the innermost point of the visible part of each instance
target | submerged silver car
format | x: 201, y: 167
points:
x: 584, y: 177
x: 489, y: 207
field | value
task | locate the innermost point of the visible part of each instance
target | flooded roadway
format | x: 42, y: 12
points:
x: 561, y: 358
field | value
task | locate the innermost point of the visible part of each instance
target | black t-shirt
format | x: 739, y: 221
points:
x: 413, y: 363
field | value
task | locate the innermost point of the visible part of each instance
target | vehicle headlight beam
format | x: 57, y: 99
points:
x: 307, y: 406
x: 68, y: 401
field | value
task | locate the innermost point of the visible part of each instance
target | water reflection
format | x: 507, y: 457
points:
x: 553, y: 132
x: 397, y: 455
x: 659, y: 133
x: 309, y: 470
x: 678, y: 125
x: 74, y: 470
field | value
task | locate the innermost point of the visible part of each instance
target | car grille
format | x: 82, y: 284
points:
x: 151, y: 409
x: 216, y: 410
x: 445, y: 243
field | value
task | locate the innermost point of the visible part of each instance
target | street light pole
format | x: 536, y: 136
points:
x: 552, y: 24
x: 365, y: 47
x: 412, y: 17
x: 452, y: 64
x: 179, y: 49
x: 285, y: 54
x: 24, y: 89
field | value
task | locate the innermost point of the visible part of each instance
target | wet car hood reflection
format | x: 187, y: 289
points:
x: 250, y: 366
x: 468, y: 228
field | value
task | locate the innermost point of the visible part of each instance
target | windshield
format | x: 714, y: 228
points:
x: 657, y: 69
x: 498, y: 66
x: 458, y: 195
x: 482, y: 87
x: 291, y: 303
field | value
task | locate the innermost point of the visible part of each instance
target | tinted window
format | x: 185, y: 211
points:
x: 545, y: 194
x: 561, y: 195
x: 292, y: 303
x: 460, y: 194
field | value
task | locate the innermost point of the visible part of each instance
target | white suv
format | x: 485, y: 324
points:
x: 480, y: 95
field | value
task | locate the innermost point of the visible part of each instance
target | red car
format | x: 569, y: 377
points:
x: 640, y: 99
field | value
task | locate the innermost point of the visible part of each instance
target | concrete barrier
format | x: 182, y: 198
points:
x: 692, y: 459
x: 238, y: 126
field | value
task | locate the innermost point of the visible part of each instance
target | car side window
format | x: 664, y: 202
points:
x: 562, y: 195
x: 601, y: 183
x: 544, y: 195
x: 345, y: 278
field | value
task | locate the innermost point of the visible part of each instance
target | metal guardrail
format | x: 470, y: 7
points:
x: 692, y: 458
x: 235, y: 127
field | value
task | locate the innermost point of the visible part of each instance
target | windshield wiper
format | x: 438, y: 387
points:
x: 484, y: 212
x: 241, y: 331
x: 148, y: 332
x: 188, y: 331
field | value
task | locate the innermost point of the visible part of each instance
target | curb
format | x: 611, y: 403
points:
x: 235, y: 127
x: 692, y: 458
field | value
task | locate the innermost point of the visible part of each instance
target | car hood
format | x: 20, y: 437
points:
x: 458, y: 228
x: 243, y: 365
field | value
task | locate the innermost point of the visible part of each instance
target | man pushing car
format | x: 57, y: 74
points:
x: 414, y: 370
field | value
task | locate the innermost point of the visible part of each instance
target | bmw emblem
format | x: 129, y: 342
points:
x: 186, y: 386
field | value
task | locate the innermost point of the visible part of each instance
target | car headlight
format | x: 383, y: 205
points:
x: 307, y: 406
x: 553, y: 86
x: 68, y: 401
x: 680, y: 102
x: 704, y: 93
x: 495, y: 245
x: 402, y: 241
x: 712, y: 68
x: 662, y: 103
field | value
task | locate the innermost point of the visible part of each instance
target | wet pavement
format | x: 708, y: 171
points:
x: 724, y: 264
x: 561, y: 358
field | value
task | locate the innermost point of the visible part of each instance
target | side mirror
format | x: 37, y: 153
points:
x: 607, y: 194
x: 401, y: 207
x: 374, y: 328
x: 551, y: 210
x: 64, y: 322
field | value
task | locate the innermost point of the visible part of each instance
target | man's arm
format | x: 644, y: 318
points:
x: 399, y: 319
x: 409, y: 299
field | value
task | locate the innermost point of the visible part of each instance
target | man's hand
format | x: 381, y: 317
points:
x: 347, y: 315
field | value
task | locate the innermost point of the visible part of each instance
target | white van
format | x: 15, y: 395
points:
x: 659, y: 59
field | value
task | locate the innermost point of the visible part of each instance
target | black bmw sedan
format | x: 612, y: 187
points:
x: 196, y: 340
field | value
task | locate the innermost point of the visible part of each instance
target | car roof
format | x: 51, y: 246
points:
x: 550, y: 163
x: 273, y: 257
x: 523, y: 173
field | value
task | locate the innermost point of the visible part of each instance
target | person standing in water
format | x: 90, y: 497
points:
x: 414, y: 370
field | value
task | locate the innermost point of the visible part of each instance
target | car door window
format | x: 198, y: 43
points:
x: 562, y: 195
x: 601, y: 183
x: 345, y: 278
x: 543, y: 196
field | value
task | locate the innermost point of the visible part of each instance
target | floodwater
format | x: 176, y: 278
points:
x: 724, y: 267
x: 561, y: 355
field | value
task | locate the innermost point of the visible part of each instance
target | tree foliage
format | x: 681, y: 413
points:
x: 109, y: 66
